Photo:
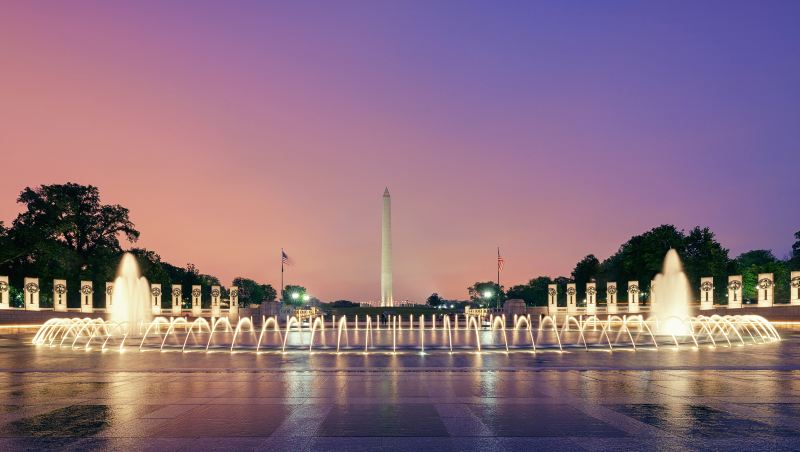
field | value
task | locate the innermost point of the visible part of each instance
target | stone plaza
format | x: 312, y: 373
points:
x: 739, y: 398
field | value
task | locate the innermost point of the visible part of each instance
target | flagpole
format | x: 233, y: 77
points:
x: 282, y: 274
x: 498, y: 268
x: 498, y: 276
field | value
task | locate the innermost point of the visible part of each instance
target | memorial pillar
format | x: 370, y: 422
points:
x: 611, y: 298
x: 706, y: 293
x: 109, y: 296
x: 155, y: 298
x: 197, y: 308
x: 572, y: 294
x: 215, y: 299
x: 32, y: 294
x: 766, y: 290
x: 734, y: 291
x: 177, y: 292
x: 86, y: 297
x: 552, y: 299
x: 633, y: 296
x: 4, y: 288
x: 60, y: 295
x: 794, y: 288
x: 591, y: 298
x: 233, y: 310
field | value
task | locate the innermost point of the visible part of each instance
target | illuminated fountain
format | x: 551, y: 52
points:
x: 418, y: 336
x: 130, y: 327
x: 674, y: 296
x: 131, y: 296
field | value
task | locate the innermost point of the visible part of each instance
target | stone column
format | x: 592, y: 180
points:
x: 706, y: 293
x: 234, y: 296
x: 611, y: 298
x: 177, y: 292
x: 60, y: 295
x: 552, y: 299
x: 633, y: 296
x: 572, y: 294
x: 109, y: 296
x: 32, y: 294
x: 197, y: 309
x: 591, y: 298
x: 794, y: 288
x: 86, y: 297
x: 4, y: 288
x: 766, y: 290
x: 734, y: 291
x: 215, y: 298
x: 155, y: 298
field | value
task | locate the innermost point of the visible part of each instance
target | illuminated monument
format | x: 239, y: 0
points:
x: 386, y: 251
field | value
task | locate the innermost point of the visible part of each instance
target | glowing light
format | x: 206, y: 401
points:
x: 295, y: 295
x: 488, y: 294
x: 701, y: 332
x: 306, y: 297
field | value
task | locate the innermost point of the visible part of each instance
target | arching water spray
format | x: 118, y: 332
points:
x: 674, y: 295
x: 130, y: 296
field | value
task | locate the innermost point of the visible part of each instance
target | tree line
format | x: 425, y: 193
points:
x: 640, y: 259
x: 65, y: 232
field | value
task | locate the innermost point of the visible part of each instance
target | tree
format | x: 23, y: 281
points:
x: 539, y: 290
x: 486, y: 293
x: 796, y: 251
x: 251, y: 292
x: 561, y: 282
x: 435, y: 300
x: 520, y: 292
x: 72, y: 215
x: 64, y: 232
x: 269, y: 292
x: 294, y: 294
x: 534, y: 292
x: 585, y: 271
x: 3, y: 235
x: 751, y: 263
x: 641, y: 257
x: 755, y: 258
x: 343, y: 304
x: 704, y: 256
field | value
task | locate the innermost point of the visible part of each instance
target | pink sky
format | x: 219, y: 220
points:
x: 232, y: 132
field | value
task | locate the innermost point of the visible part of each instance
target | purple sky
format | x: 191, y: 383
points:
x: 232, y: 129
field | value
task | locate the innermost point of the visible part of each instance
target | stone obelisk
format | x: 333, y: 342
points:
x: 386, y: 251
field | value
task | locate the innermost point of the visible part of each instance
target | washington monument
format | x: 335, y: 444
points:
x: 386, y: 251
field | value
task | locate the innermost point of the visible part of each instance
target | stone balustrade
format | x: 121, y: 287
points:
x: 86, y: 295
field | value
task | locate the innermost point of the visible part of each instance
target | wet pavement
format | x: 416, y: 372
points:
x: 740, y: 398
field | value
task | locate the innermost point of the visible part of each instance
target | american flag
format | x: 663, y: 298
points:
x: 285, y: 258
x: 500, y: 261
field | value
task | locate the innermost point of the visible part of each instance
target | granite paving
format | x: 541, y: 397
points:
x: 739, y: 398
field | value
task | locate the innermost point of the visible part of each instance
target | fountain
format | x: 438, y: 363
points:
x: 674, y: 295
x: 670, y: 325
x: 131, y: 296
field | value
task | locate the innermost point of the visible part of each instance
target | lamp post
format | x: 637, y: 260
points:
x: 487, y: 295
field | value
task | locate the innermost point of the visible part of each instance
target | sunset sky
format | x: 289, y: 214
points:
x: 552, y: 129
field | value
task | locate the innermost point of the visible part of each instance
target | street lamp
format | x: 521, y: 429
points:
x: 487, y: 295
x: 306, y: 297
x: 295, y: 295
